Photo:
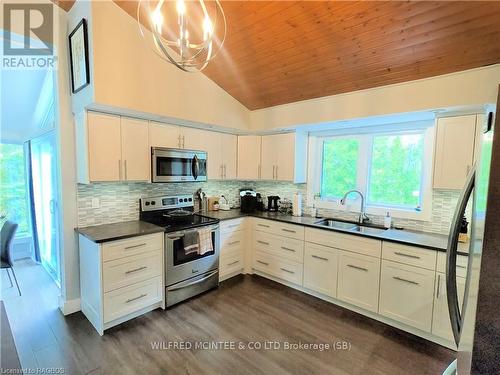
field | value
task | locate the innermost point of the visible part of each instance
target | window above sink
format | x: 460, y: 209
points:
x: 391, y: 165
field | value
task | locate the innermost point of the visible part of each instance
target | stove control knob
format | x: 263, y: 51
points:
x: 190, y: 199
x: 147, y: 203
x: 153, y: 203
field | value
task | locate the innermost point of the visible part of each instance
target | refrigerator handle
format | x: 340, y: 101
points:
x: 451, y: 257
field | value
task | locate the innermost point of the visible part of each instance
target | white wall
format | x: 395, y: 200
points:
x: 466, y: 88
x: 128, y: 74
x: 70, y: 278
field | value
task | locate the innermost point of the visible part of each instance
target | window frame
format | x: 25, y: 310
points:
x: 367, y: 136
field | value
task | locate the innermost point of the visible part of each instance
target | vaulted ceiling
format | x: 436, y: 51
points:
x: 278, y: 52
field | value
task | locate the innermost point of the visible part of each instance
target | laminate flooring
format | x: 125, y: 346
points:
x: 244, y: 311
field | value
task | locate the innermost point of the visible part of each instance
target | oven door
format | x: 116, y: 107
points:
x: 174, y: 165
x: 180, y: 265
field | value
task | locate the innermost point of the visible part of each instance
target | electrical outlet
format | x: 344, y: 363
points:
x: 96, y: 203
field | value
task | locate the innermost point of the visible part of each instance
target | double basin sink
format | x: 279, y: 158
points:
x: 351, y: 227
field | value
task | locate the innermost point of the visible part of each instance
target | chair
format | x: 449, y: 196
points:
x: 6, y: 235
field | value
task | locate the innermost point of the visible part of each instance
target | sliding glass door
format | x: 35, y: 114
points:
x: 45, y: 194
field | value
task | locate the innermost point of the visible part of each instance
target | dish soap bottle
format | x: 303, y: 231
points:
x: 387, y: 221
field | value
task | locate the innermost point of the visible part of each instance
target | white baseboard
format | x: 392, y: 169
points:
x: 69, y: 306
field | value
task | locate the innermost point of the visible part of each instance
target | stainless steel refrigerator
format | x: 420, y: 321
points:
x: 475, y: 321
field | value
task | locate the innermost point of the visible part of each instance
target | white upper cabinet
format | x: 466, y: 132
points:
x: 454, y: 155
x: 117, y: 149
x: 104, y: 147
x: 229, y: 155
x: 210, y: 142
x: 283, y: 158
x: 135, y: 150
x: 249, y: 157
x: 164, y: 135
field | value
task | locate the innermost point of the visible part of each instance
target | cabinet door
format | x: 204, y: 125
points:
x: 229, y: 155
x: 285, y: 155
x: 320, y: 269
x: 406, y: 294
x: 269, y: 157
x: 104, y: 147
x: 358, y: 280
x: 454, y: 151
x: 164, y: 135
x: 136, y: 155
x: 249, y: 157
x: 441, y: 325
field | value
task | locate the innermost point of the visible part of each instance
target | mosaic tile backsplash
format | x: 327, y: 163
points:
x: 120, y: 201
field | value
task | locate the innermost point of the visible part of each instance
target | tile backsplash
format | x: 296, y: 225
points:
x: 120, y: 201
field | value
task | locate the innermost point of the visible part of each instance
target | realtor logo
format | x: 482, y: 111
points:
x: 29, y: 29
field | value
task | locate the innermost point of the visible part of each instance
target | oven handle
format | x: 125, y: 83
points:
x: 179, y: 235
x: 194, y: 282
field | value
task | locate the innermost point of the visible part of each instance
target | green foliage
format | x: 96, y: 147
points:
x: 13, y: 194
x: 396, y: 170
x: 340, y: 160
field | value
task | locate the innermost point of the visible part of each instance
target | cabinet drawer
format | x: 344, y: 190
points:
x: 358, y: 280
x: 290, y: 230
x: 356, y: 244
x: 320, y: 269
x: 131, y: 246
x: 126, y: 271
x: 230, y: 263
x: 279, y: 246
x: 280, y: 268
x: 229, y: 226
x: 411, y: 255
x: 279, y: 228
x: 462, y: 264
x: 406, y: 294
x: 231, y: 242
x: 127, y: 300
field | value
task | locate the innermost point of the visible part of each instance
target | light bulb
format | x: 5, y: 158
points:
x: 157, y: 19
x: 181, y: 7
x: 207, y: 28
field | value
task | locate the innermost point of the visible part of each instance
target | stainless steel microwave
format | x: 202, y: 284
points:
x: 178, y: 165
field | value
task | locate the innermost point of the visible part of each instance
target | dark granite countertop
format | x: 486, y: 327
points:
x: 118, y: 231
x: 421, y: 239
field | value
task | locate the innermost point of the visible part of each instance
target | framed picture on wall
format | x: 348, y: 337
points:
x: 79, y: 57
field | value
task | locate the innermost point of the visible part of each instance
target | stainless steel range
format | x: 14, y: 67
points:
x: 191, y: 245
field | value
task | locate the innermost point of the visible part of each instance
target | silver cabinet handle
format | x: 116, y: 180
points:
x: 320, y: 258
x: 179, y: 140
x: 287, y: 248
x: 119, y: 169
x: 136, y: 270
x: 276, y: 173
x: 458, y: 266
x: 225, y: 171
x: 358, y: 268
x: 407, y: 255
x: 233, y: 242
x: 258, y: 170
x: 273, y: 171
x: 221, y: 171
x: 125, y: 167
x: 263, y: 242
x: 230, y: 264
x: 135, y: 246
x: 284, y: 269
x: 183, y: 141
x: 288, y: 230
x: 136, y: 298
x: 263, y: 225
x: 233, y: 225
x: 264, y: 263
x: 438, y: 292
x: 405, y: 280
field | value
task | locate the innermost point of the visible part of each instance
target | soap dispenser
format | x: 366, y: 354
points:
x: 387, y: 221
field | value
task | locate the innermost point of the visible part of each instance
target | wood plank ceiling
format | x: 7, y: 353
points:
x: 278, y: 52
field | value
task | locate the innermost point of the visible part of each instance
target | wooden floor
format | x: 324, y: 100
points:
x: 244, y: 309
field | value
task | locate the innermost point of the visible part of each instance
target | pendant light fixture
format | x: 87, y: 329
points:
x: 187, y: 34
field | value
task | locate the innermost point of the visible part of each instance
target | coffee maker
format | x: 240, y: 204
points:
x: 272, y: 203
x: 248, y: 200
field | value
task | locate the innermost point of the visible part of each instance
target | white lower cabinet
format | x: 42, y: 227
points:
x: 121, y: 279
x: 233, y: 240
x: 320, y: 269
x: 358, y: 280
x: 441, y: 325
x: 406, y: 294
x: 278, y: 267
